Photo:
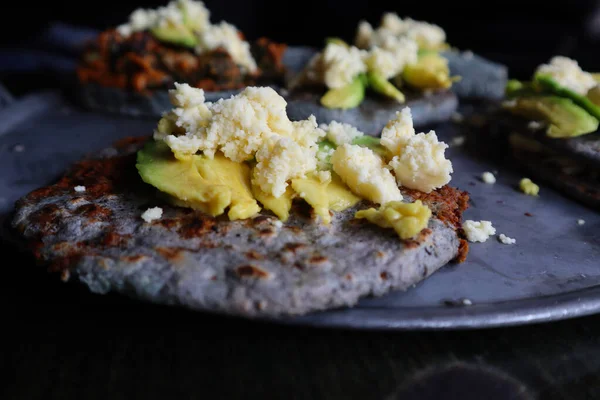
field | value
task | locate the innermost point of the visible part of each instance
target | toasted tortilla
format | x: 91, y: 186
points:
x: 252, y: 267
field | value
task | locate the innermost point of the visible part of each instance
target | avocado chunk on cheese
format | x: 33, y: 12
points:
x: 566, y: 118
x: 345, y: 97
x: 582, y: 101
x: 208, y: 185
x: 176, y: 34
x: 431, y: 71
x: 407, y: 219
x: 382, y: 86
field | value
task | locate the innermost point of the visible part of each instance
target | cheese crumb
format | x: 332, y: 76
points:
x: 397, y: 131
x: 364, y: 173
x: 237, y: 126
x: 323, y: 176
x: 421, y: 164
x: 79, y: 188
x: 173, y: 13
x: 580, y: 222
x: 341, y: 64
x: 227, y: 36
x: 467, y: 302
x: 506, y: 240
x: 488, y: 177
x: 567, y: 73
x: 528, y: 187
x: 278, y: 223
x: 478, y: 231
x: 340, y: 133
x: 391, y: 56
x: 152, y: 213
x: 535, y: 125
x: 278, y: 161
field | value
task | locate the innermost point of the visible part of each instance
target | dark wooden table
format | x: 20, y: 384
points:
x: 61, y: 342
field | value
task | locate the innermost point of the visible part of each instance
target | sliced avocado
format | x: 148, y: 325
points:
x: 348, y: 96
x: 431, y: 71
x: 566, y: 118
x: 550, y: 84
x: 515, y: 88
x: 381, y: 85
x: 372, y: 143
x: 208, y: 185
x: 179, y: 35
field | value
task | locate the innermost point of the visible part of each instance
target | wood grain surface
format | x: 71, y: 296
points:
x: 61, y: 342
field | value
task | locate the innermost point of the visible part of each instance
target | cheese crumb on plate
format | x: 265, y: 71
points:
x: 79, y: 188
x: 152, y: 213
x: 488, y: 177
x: 506, y: 240
x: 478, y: 231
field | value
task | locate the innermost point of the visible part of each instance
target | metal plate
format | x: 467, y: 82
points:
x: 551, y: 273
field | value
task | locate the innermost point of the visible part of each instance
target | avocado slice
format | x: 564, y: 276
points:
x: 566, y: 118
x: 348, y: 96
x: 381, y: 85
x: 179, y: 35
x: 208, y: 185
x: 594, y: 95
x: 431, y: 71
x: 551, y: 85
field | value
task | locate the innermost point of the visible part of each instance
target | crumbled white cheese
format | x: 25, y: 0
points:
x: 277, y: 223
x: 227, y: 36
x: 422, y: 164
x: 171, y: 14
x: 390, y: 60
x: 535, y: 125
x: 152, y: 213
x: 418, y: 160
x: 364, y: 35
x: 307, y: 132
x: 427, y: 35
x: 339, y: 133
x: 364, y: 173
x: 506, y: 240
x: 478, y: 231
x: 237, y: 126
x: 79, y: 188
x: 467, y: 302
x: 580, y: 222
x: 488, y: 177
x: 341, y: 64
x: 397, y: 131
x: 280, y: 159
x: 567, y: 73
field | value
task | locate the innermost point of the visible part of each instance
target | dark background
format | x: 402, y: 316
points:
x: 521, y: 34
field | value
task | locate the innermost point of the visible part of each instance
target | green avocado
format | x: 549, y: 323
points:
x: 179, y: 35
x: 381, y: 85
x: 551, y: 85
x: 348, y: 96
x: 431, y: 71
x: 566, y: 118
x: 325, y: 146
